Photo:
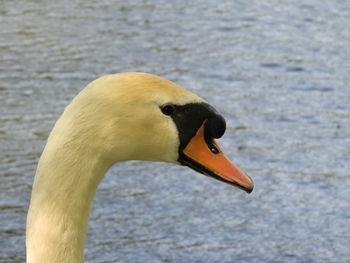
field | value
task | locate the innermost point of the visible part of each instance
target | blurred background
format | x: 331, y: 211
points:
x: 279, y: 71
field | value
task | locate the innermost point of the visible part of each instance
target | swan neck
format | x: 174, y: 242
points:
x: 64, y: 187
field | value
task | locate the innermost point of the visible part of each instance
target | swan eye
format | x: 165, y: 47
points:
x: 168, y: 109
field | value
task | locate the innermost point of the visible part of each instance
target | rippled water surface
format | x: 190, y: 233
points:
x: 279, y: 71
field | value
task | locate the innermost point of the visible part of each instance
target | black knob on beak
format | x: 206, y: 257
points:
x: 215, y: 126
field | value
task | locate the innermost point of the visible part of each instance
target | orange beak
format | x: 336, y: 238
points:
x: 207, y: 158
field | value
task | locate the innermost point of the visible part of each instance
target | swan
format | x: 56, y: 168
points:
x: 118, y: 117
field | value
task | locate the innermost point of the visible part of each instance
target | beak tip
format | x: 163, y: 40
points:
x: 249, y: 190
x: 246, y: 183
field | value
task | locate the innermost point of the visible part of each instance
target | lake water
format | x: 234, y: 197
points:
x: 279, y: 71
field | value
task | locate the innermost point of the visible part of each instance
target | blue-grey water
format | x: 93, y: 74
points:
x: 279, y: 71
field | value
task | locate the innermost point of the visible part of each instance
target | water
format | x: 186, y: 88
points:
x: 277, y: 70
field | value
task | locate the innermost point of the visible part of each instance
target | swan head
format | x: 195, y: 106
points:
x: 139, y: 116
